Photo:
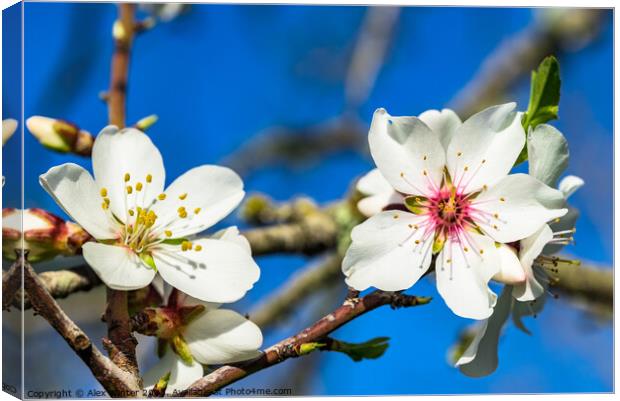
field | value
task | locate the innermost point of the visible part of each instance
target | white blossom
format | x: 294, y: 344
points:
x: 458, y: 201
x: 141, y: 230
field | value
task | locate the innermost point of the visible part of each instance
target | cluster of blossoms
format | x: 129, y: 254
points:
x: 144, y: 234
x: 442, y: 195
x: 442, y: 191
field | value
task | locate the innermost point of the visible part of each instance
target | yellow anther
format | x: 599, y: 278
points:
x: 131, y: 212
x: 484, y: 187
x: 149, y: 178
x: 502, y: 200
x: 459, y: 153
x: 417, y: 241
x: 449, y: 261
x: 402, y: 174
x: 103, y: 192
x: 129, y: 189
x: 106, y: 201
x: 466, y: 249
x: 182, y: 196
x: 184, y: 246
x: 181, y: 209
x: 130, y: 229
x: 424, y: 172
x: 481, y: 251
x: 168, y: 233
x: 139, y: 186
x: 104, y: 206
x: 197, y: 210
x: 189, y: 245
x: 161, y: 196
x: 466, y: 168
x: 557, y: 220
x: 198, y: 248
x: 496, y: 216
x: 127, y: 177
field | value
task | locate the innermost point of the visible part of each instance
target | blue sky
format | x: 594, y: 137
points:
x: 219, y: 75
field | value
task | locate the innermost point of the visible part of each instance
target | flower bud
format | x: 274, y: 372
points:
x: 45, y: 235
x: 147, y: 122
x: 61, y: 136
x: 8, y: 129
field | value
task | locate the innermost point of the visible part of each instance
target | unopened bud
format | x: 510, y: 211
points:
x: 8, y: 129
x: 45, y: 235
x: 146, y: 122
x: 118, y: 31
x: 61, y: 136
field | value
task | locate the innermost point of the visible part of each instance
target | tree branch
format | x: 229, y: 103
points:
x: 291, y: 347
x: 120, y: 343
x: 123, y: 33
x: 112, y: 378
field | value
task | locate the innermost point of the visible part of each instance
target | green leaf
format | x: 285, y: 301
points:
x: 306, y: 348
x: 416, y: 204
x: 371, y: 349
x: 181, y: 348
x: 544, y: 97
x: 148, y: 259
x: 174, y: 241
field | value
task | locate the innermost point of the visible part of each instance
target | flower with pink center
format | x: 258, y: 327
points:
x: 454, y: 202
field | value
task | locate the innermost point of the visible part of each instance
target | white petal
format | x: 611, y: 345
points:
x: 116, y: 153
x: 404, y: 148
x: 233, y: 235
x: 570, y: 184
x: 522, y: 205
x: 485, y: 147
x: 221, y: 272
x: 182, y: 375
x: 76, y: 193
x: 223, y: 336
x: 8, y: 129
x: 384, y: 253
x: 118, y: 267
x: 379, y: 193
x: 547, y: 151
x: 215, y: 190
x: 510, y: 269
x: 531, y: 247
x: 480, y: 358
x: 443, y: 123
x: 463, y: 283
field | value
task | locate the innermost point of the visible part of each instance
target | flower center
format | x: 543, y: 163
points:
x: 141, y: 229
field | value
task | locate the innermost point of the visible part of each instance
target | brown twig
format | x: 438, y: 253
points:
x: 120, y: 343
x: 123, y: 37
x: 11, y: 285
x: 116, y: 382
x: 291, y: 347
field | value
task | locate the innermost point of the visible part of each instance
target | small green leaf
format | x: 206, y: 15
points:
x: 174, y: 241
x: 438, y: 243
x: 371, y: 349
x: 162, y: 383
x: 181, y: 348
x: 544, y: 98
x: 306, y: 348
x: 416, y: 204
x: 148, y: 259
